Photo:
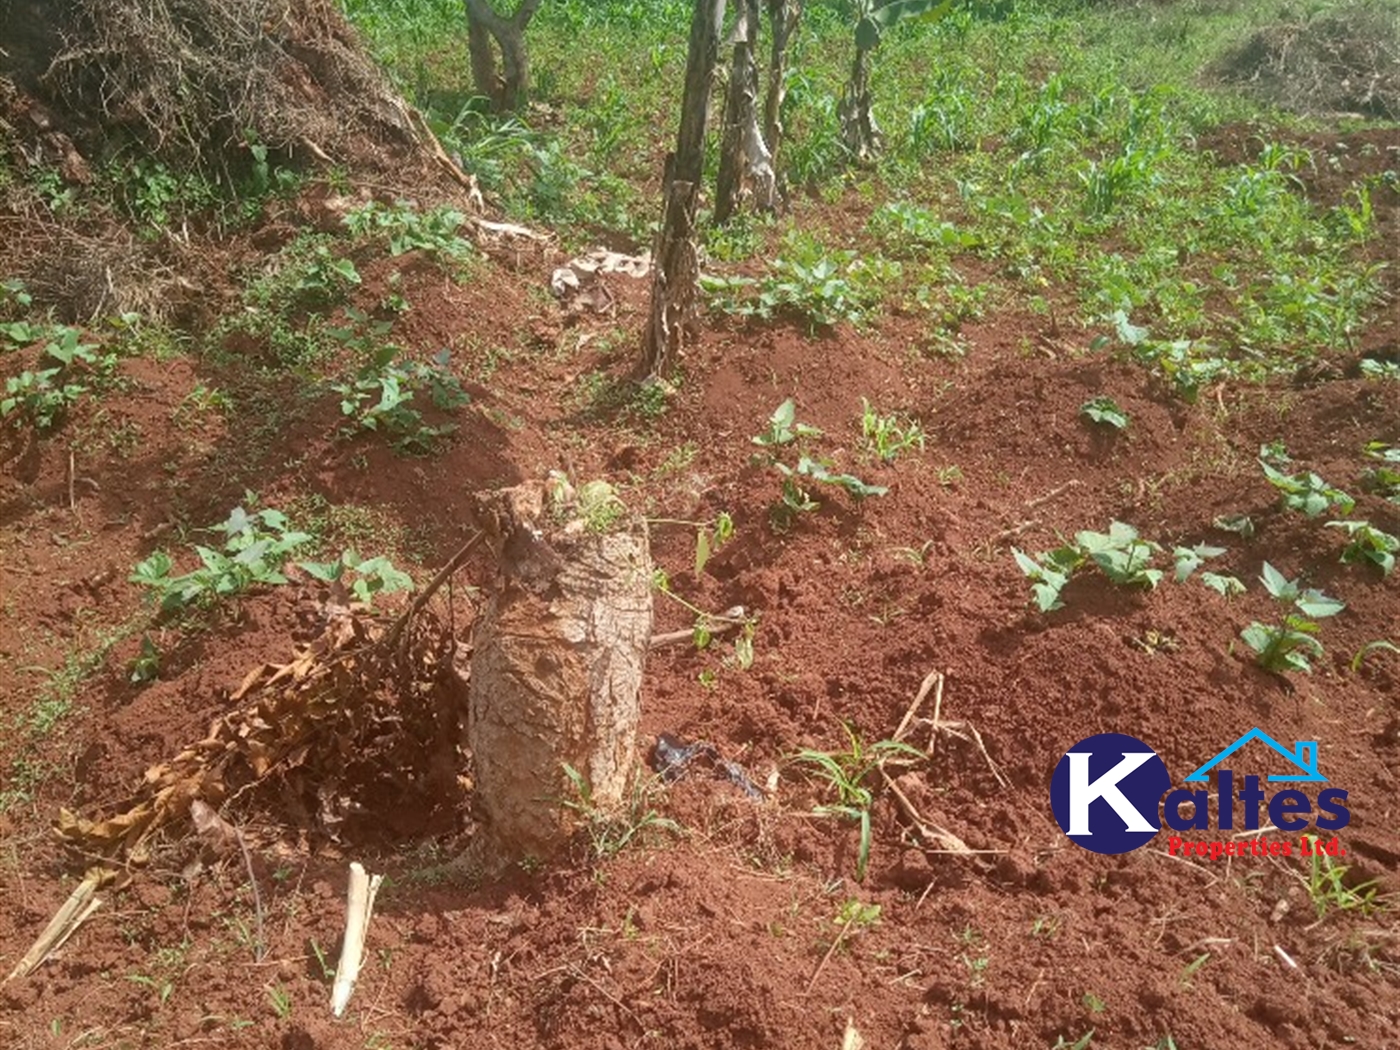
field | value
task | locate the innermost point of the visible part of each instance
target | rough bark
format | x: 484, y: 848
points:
x: 745, y: 164
x: 507, y: 91
x: 675, y: 273
x: 785, y: 17
x: 859, y: 131
x: 556, y: 669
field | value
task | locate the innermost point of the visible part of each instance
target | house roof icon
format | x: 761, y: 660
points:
x: 1303, y: 755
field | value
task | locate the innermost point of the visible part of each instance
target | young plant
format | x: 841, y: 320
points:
x: 1189, y: 559
x: 1121, y: 555
x: 253, y: 550
x: 1106, y: 411
x: 783, y: 428
x: 407, y: 229
x: 367, y: 576
x: 1049, y: 573
x: 378, y: 399
x: 710, y: 537
x: 1384, y: 480
x: 1288, y: 646
x: 1306, y: 492
x: 1368, y: 543
x: 846, y: 774
x: 886, y: 436
x: 1223, y: 585
x: 41, y: 397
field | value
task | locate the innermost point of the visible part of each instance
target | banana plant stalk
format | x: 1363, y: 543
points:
x: 859, y: 131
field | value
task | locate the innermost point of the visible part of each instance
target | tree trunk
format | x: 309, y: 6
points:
x: 557, y: 665
x: 675, y: 270
x: 859, y: 131
x: 745, y: 165
x: 483, y: 60
x: 786, y: 14
x: 507, y: 91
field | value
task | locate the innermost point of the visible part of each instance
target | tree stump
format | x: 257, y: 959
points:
x: 557, y: 665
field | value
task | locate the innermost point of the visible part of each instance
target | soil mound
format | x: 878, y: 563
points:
x: 1346, y: 60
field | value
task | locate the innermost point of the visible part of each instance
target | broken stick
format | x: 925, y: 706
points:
x: 359, y: 906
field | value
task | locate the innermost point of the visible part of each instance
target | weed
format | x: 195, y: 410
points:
x: 281, y: 1001
x: 1379, y: 645
x: 1287, y: 646
x: 163, y: 988
x: 1093, y: 1003
x: 407, y: 229
x: 1082, y: 1043
x: 887, y: 436
x: 1368, y: 543
x: 1328, y: 888
x: 846, y: 772
x: 253, y: 550
x: 611, y: 833
x: 1104, y: 410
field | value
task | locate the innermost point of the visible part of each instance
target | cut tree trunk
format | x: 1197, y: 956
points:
x: 676, y: 271
x: 785, y: 16
x: 557, y: 664
x: 507, y: 91
x: 745, y: 164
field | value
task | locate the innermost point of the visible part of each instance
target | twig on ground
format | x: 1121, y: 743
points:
x: 1053, y: 493
x: 830, y: 952
x: 259, y: 942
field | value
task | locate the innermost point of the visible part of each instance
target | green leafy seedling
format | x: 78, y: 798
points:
x: 1368, y: 543
x: 1121, y: 555
x: 1290, y: 645
x: 1104, y: 411
x: 1189, y: 559
x: 783, y: 428
x: 1306, y: 492
x: 371, y: 576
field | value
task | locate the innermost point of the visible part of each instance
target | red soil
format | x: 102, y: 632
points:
x: 718, y: 939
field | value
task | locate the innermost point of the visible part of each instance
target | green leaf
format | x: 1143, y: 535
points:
x: 1106, y: 411
x: 1226, y: 586
x: 1189, y: 559
x: 1318, y: 605
x: 325, y: 571
x: 1278, y: 585
x: 1240, y: 524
